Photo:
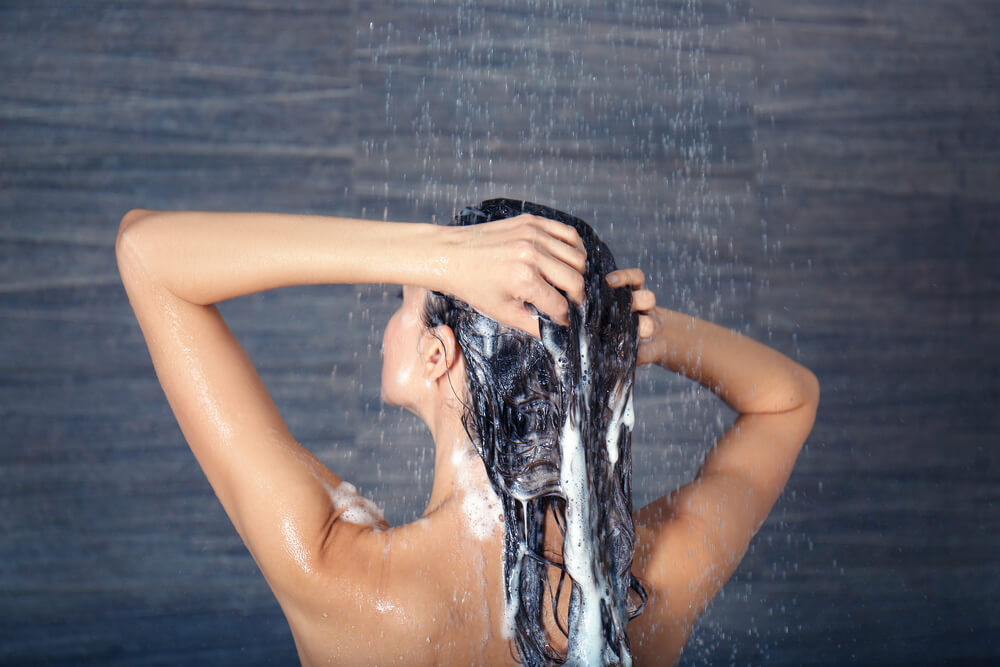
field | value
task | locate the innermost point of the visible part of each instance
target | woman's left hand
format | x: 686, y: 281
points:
x: 644, y: 303
x: 501, y: 267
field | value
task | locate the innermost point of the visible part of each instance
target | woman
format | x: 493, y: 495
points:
x: 438, y: 590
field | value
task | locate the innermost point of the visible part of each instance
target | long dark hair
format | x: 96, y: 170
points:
x: 552, y: 421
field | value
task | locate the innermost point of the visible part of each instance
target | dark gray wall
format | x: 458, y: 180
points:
x: 822, y: 175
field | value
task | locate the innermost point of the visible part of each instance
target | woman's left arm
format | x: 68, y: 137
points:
x: 175, y: 265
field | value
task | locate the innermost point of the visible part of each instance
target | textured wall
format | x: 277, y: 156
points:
x: 820, y: 175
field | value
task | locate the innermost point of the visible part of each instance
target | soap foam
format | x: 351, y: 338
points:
x: 586, y: 643
x: 353, y: 507
x: 514, y: 584
x: 480, y: 504
x: 621, y: 414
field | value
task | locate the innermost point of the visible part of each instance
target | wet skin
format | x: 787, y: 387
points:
x: 354, y: 589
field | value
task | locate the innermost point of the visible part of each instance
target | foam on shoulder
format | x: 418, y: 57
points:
x: 353, y: 507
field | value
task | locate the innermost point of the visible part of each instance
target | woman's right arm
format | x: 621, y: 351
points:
x: 176, y: 265
x: 696, y: 536
x: 205, y: 257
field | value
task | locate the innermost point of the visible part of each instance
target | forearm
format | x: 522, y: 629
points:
x: 749, y: 376
x: 207, y: 257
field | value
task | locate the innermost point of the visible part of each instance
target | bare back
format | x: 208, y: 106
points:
x: 355, y: 590
x: 425, y: 593
x: 429, y: 593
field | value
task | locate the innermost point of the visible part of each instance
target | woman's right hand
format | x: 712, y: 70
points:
x: 644, y: 303
x: 502, y: 266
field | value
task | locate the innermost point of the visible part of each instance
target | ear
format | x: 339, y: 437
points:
x: 439, y: 351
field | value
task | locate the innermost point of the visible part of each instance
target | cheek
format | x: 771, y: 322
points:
x: 398, y: 359
x: 402, y: 353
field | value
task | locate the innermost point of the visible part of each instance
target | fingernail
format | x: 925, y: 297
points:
x: 614, y: 279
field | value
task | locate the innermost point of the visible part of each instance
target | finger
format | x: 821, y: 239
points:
x: 626, y: 277
x: 564, y: 277
x: 527, y: 321
x: 563, y: 232
x: 547, y: 300
x: 562, y: 248
x: 643, y: 300
x: 646, y: 326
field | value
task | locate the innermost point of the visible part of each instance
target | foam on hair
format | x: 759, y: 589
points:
x: 552, y: 421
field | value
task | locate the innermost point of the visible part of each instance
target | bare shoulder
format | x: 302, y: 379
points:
x: 659, y: 634
x: 379, y: 597
x: 342, y: 610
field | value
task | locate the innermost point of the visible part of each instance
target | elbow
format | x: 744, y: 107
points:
x: 129, y: 219
x: 127, y: 222
x: 810, y: 387
x: 801, y: 392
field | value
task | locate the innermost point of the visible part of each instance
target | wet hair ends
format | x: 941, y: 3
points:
x: 552, y: 422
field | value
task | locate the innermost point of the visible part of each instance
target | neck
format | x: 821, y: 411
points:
x: 451, y: 445
x: 461, y: 486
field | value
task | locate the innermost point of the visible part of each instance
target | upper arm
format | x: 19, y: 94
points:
x: 279, y: 497
x: 690, y: 542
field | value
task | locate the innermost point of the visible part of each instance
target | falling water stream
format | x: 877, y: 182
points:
x: 631, y: 115
x: 696, y: 136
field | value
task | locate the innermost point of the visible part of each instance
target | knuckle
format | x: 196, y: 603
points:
x: 525, y: 275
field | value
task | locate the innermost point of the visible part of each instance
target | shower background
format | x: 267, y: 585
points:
x: 821, y: 175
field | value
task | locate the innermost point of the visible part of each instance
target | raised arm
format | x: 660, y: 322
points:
x: 207, y: 257
x: 692, y: 540
x: 175, y: 265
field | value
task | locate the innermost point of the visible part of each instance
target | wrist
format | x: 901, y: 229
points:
x: 417, y: 257
x: 441, y: 265
x: 678, y: 347
x: 400, y: 253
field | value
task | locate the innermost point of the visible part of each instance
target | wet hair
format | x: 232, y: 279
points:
x: 552, y: 421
